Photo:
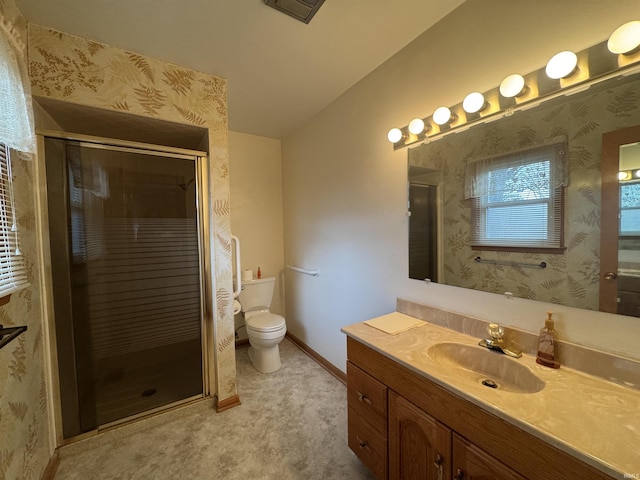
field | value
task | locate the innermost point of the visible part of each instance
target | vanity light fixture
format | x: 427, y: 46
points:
x: 416, y: 126
x: 622, y: 176
x: 474, y: 102
x: 561, y: 65
x: 442, y: 115
x: 512, y: 86
x: 625, y: 39
x: 394, y: 135
x: 594, y: 67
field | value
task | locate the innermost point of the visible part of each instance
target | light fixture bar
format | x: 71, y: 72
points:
x: 559, y: 77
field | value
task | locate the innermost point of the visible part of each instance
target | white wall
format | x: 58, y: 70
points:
x: 345, y: 192
x: 255, y: 174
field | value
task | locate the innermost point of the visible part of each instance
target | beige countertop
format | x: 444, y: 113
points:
x: 590, y: 418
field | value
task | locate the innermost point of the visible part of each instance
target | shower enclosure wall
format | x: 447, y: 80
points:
x: 126, y: 247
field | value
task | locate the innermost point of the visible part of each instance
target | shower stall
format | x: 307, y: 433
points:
x: 126, y: 241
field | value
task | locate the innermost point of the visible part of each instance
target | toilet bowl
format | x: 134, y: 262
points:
x: 264, y: 329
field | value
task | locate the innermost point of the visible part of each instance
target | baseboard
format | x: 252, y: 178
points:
x: 320, y: 360
x: 242, y: 343
x: 50, y: 470
x: 227, y: 403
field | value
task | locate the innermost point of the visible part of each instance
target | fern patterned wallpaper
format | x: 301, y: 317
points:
x: 24, y: 424
x: 80, y: 71
x: 570, y: 278
x: 77, y: 70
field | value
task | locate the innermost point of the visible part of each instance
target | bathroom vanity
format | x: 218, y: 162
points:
x: 416, y: 410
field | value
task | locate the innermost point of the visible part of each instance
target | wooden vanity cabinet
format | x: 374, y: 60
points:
x: 427, y: 426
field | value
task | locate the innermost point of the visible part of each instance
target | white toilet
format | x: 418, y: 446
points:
x: 265, y: 329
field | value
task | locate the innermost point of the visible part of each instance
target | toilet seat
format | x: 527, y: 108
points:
x: 265, y: 322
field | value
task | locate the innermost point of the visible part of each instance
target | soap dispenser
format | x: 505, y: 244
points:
x: 547, y: 343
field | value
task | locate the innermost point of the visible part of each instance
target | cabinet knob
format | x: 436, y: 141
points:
x: 459, y: 475
x: 363, y: 398
x: 439, y: 466
x: 610, y: 276
x: 362, y: 443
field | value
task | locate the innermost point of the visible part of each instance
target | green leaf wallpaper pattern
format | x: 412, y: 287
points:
x: 18, y: 409
x: 190, y: 116
x: 18, y: 365
x: 582, y: 118
x: 586, y: 129
x: 142, y: 65
x: 579, y: 156
x: 579, y: 109
x: 624, y: 104
x: 151, y: 99
x: 179, y: 80
x: 62, y: 74
x: 577, y: 239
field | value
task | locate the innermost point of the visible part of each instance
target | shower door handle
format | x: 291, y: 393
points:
x: 238, y: 286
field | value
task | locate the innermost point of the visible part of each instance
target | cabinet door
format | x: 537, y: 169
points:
x: 419, y: 445
x: 471, y: 463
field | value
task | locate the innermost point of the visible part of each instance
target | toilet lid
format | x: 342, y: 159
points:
x: 265, y: 322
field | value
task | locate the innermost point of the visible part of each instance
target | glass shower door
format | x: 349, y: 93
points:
x: 126, y: 280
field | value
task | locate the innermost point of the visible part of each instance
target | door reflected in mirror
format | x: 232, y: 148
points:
x: 620, y: 238
x: 423, y: 231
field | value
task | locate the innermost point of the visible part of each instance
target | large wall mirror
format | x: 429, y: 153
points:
x: 595, y: 195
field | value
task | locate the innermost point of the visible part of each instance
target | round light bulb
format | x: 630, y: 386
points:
x: 561, y: 65
x: 637, y: 174
x: 512, y: 86
x: 624, y: 175
x: 442, y: 115
x: 416, y: 126
x: 474, y: 102
x: 394, y: 135
x: 625, y: 39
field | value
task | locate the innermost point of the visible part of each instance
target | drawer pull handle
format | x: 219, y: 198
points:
x: 459, y: 475
x: 363, y: 398
x: 439, y: 466
x: 362, y: 443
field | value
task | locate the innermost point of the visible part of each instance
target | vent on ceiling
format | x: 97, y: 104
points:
x: 302, y: 10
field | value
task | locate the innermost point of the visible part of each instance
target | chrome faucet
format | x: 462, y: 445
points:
x: 496, y: 342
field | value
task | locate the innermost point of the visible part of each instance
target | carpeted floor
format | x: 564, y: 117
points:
x: 292, y: 424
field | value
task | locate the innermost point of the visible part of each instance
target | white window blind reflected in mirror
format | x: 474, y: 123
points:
x: 517, y: 198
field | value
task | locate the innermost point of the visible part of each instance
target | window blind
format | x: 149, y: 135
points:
x: 13, y: 274
x: 518, y: 198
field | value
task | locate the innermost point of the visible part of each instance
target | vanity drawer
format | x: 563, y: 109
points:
x: 368, y: 444
x: 368, y: 397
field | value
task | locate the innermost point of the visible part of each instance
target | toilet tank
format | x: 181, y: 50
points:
x: 256, y: 294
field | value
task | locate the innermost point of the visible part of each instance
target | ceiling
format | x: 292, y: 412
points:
x: 280, y: 72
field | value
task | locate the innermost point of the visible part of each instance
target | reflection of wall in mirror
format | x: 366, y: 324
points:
x: 571, y: 278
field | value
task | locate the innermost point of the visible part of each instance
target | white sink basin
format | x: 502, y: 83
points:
x: 487, y: 367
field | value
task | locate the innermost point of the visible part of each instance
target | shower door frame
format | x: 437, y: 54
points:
x: 201, y: 160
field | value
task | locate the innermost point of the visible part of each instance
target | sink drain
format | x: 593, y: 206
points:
x: 487, y: 382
